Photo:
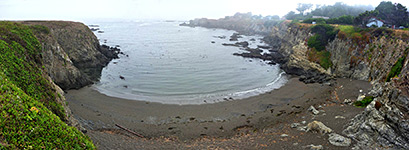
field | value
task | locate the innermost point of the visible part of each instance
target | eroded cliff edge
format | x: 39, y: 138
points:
x: 378, y: 55
x: 72, y: 55
x: 374, y: 57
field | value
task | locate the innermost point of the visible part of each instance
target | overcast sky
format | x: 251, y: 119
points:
x: 79, y: 10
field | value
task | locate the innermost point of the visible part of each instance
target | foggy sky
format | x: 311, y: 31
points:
x: 79, y: 10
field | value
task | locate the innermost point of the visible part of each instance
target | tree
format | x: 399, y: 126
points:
x: 363, y: 18
x: 393, y: 14
x: 302, y: 7
x: 339, y: 9
x: 291, y: 15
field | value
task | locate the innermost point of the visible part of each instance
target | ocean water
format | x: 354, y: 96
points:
x: 172, y: 64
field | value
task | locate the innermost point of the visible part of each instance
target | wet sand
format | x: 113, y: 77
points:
x: 182, y: 126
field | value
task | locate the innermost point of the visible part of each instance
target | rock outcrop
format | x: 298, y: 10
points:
x: 385, y: 122
x: 384, y: 126
x: 290, y: 41
x: 72, y: 55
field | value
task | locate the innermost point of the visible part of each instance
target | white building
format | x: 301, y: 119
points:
x: 375, y: 22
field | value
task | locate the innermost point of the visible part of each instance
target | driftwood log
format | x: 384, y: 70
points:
x: 130, y: 131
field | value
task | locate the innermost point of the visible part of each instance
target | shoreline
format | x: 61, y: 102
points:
x: 99, y: 113
x: 204, y: 99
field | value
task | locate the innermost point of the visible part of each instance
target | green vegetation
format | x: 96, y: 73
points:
x: 323, y: 34
x: 364, y: 102
x: 321, y: 57
x: 391, y: 14
x: 396, y: 69
x: 19, y: 53
x: 40, y: 29
x: 31, y: 117
x: 337, y: 10
x: 346, y: 20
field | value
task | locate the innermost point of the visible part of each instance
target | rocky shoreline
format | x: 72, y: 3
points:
x: 73, y: 59
x: 384, y: 123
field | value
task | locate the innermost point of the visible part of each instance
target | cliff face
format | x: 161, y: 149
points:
x: 379, y: 58
x: 72, y: 55
x: 33, y: 110
x: 290, y: 41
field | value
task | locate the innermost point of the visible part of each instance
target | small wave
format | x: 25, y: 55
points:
x: 277, y: 83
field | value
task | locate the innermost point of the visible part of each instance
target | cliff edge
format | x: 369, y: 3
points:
x: 71, y: 53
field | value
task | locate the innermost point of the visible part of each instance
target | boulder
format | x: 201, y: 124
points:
x: 338, y: 140
x: 313, y: 110
x: 319, y: 127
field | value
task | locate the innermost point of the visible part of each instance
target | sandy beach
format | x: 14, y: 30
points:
x: 226, y: 124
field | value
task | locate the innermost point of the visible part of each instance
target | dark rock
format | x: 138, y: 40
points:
x: 110, y: 52
x: 220, y: 37
x: 121, y: 77
x: 263, y: 47
x: 235, y: 37
x: 242, y: 44
x: 226, y: 44
x: 213, y: 42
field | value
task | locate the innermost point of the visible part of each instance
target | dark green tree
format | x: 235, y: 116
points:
x: 302, y: 7
x: 363, y: 18
x: 393, y: 14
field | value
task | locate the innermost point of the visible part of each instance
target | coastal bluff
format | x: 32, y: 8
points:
x: 38, y: 60
x: 72, y: 54
x: 378, y: 55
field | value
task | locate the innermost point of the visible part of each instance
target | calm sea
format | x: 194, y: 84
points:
x: 172, y: 64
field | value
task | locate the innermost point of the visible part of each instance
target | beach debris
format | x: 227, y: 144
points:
x: 284, y: 135
x: 130, y: 131
x: 313, y: 110
x: 314, y: 147
x: 303, y: 122
x: 339, y: 117
x: 338, y: 140
x: 319, y: 127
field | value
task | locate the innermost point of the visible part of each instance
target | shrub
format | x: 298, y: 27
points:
x: 321, y: 57
x: 396, y: 69
x: 316, y: 42
x: 323, y: 34
x: 40, y: 29
x: 364, y: 102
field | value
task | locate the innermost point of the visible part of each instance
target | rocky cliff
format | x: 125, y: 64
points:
x: 34, y: 114
x: 71, y: 53
x: 377, y: 55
